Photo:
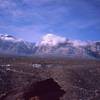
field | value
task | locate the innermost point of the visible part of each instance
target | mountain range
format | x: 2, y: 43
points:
x: 50, y: 45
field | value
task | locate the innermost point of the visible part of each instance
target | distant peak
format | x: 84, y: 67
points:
x: 8, y: 37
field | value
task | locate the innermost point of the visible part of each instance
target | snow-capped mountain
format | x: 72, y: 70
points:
x: 12, y: 45
x: 8, y: 38
x: 50, y: 45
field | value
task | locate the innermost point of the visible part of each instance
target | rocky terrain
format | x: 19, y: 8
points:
x: 80, y: 81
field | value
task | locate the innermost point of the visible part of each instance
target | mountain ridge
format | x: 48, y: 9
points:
x: 50, y: 45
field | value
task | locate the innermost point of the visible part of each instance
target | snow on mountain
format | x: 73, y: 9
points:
x: 11, y: 45
x: 7, y: 37
x: 54, y: 40
x: 50, y: 45
x: 78, y: 42
x: 51, y: 40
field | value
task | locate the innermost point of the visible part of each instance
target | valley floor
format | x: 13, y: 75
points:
x: 80, y: 79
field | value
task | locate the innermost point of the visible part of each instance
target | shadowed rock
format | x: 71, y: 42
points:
x: 42, y: 90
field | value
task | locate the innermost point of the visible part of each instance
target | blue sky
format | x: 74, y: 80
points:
x: 31, y: 19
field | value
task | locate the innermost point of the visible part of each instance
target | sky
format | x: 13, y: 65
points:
x: 32, y: 19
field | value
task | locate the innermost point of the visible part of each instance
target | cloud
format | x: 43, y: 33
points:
x: 12, y: 8
x: 52, y: 39
x: 8, y: 8
x: 6, y: 4
x: 28, y: 7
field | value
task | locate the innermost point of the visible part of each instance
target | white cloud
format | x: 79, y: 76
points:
x: 52, y: 40
x: 11, y: 8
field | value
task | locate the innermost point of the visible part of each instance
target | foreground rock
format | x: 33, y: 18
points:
x: 43, y: 90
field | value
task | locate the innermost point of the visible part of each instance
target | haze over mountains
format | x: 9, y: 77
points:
x: 50, y: 45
